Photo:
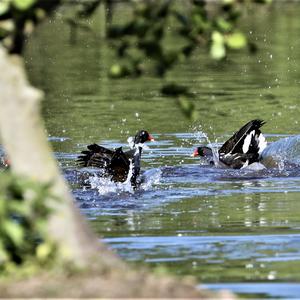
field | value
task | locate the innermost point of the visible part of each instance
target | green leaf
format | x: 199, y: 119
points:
x: 7, y: 26
x: 23, y: 4
x: 115, y: 71
x: 118, y: 71
x: 217, y: 49
x: 14, y: 231
x: 4, y: 6
x: 236, y: 40
x: 3, y: 254
x: 3, y: 206
x: 224, y: 25
x: 43, y: 251
x: 217, y: 37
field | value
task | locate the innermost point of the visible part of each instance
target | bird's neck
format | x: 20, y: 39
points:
x: 138, y: 148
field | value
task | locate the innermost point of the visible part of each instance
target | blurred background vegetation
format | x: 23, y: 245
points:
x: 156, y: 36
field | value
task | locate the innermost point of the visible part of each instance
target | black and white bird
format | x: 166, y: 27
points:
x: 116, y: 163
x: 242, y: 149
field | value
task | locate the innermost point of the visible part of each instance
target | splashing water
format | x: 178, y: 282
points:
x: 211, y: 145
x: 283, y: 152
x: 150, y: 178
x: 105, y: 185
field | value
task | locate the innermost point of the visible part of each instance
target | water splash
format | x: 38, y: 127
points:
x: 211, y: 145
x: 104, y: 185
x: 283, y: 152
x: 150, y: 178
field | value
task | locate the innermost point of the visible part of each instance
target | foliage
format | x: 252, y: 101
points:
x: 142, y: 43
x: 23, y: 217
x: 21, y: 5
x: 196, y: 24
x: 18, y: 18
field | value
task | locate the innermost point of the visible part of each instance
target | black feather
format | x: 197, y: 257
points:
x: 236, y: 142
x: 115, y: 163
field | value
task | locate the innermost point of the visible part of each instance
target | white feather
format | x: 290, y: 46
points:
x: 132, y: 145
x: 247, y: 141
x: 262, y: 143
x: 130, y: 141
x: 245, y: 164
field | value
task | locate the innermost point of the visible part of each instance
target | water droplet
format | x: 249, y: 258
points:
x: 272, y: 275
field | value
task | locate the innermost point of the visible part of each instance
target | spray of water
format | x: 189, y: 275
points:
x: 285, y: 151
x: 199, y: 135
x: 214, y: 150
x: 104, y: 184
x: 150, y: 178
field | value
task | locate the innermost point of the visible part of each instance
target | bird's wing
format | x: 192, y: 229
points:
x: 95, y: 156
x: 241, y: 141
x: 118, y: 166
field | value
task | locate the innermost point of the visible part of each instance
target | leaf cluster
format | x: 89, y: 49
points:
x: 23, y: 217
x: 18, y: 19
x: 190, y: 25
x: 141, y: 43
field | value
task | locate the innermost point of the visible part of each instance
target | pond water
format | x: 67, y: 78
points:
x: 235, y: 229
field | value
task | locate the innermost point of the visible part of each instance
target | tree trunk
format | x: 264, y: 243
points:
x: 23, y: 135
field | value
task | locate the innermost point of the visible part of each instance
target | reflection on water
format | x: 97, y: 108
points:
x: 235, y: 228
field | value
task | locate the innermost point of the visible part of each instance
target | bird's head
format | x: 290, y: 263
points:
x: 142, y: 137
x: 203, y: 151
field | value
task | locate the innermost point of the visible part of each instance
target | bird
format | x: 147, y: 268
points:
x: 116, y: 163
x: 242, y: 149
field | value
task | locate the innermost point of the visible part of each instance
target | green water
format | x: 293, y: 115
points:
x: 221, y: 226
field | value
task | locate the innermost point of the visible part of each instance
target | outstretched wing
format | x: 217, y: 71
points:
x: 130, y: 153
x: 95, y: 156
x: 118, y: 166
x: 248, y: 139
